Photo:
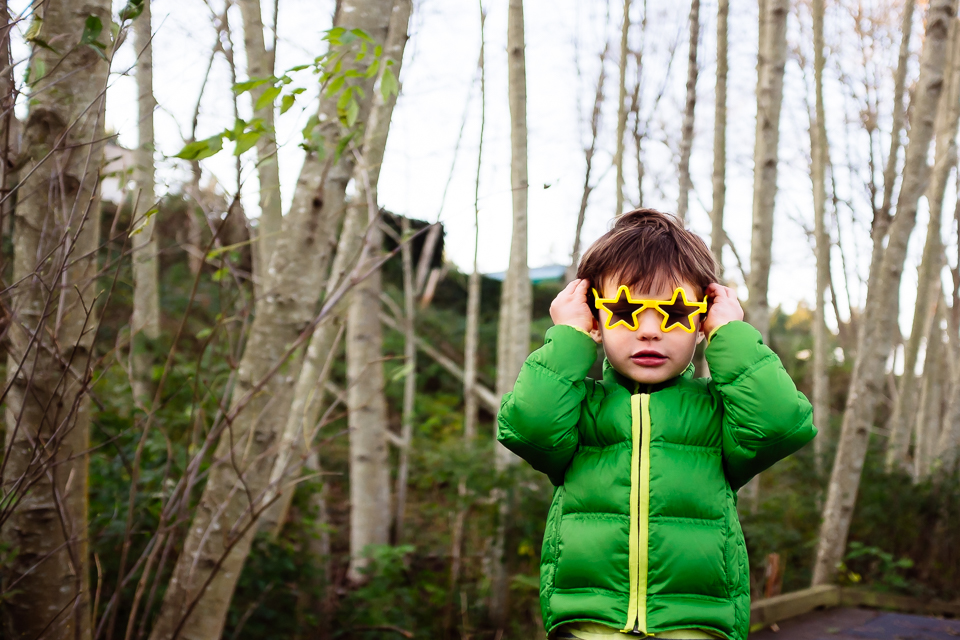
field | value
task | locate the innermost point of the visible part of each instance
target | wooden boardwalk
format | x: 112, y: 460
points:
x: 845, y: 623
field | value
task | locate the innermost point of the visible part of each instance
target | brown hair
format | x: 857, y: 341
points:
x: 649, y: 249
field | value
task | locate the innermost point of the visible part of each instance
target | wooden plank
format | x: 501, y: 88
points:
x: 764, y: 613
x: 854, y: 597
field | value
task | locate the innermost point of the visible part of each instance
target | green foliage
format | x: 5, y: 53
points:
x: 884, y: 572
x: 352, y: 56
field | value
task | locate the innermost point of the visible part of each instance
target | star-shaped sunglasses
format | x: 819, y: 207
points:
x: 676, y: 312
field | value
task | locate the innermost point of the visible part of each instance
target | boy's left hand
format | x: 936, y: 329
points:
x: 723, y: 308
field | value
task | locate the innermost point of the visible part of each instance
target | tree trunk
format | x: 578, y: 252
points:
x: 770, y: 67
x: 588, y: 153
x: 686, y: 136
x: 260, y: 65
x: 52, y: 326
x: 717, y: 235
x: 367, y: 407
x: 931, y: 400
x: 820, y: 159
x: 409, y: 383
x: 931, y: 263
x: 304, y: 416
x: 622, y: 105
x: 882, y: 306
x: 9, y: 127
x: 470, y: 342
x: 513, y: 343
x: 221, y: 532
x: 146, y: 289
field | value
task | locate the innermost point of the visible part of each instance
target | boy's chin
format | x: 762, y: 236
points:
x: 651, y: 375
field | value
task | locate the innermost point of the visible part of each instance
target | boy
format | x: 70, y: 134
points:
x: 642, y: 537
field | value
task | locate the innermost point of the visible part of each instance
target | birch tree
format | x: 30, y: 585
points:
x: 513, y: 342
x: 220, y: 534
x: 370, y: 512
x: 146, y: 290
x: 622, y: 105
x: 686, y: 131
x: 260, y: 64
x: 717, y: 235
x: 770, y: 67
x: 818, y: 169
x: 588, y: 154
x: 308, y: 404
x: 52, y: 325
x: 931, y: 262
x: 882, y: 305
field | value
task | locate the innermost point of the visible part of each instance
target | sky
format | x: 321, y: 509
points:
x: 430, y: 166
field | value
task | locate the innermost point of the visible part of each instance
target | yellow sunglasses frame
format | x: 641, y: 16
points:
x: 600, y: 303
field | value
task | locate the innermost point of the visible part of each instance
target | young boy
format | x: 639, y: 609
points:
x: 642, y: 537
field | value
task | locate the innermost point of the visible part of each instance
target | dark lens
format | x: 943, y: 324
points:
x: 679, y: 313
x: 622, y: 311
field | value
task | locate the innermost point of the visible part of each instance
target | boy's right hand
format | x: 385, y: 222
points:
x: 570, y: 307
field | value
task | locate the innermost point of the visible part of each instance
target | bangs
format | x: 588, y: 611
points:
x: 648, y: 250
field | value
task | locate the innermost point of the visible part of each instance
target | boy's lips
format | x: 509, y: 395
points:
x: 648, y: 358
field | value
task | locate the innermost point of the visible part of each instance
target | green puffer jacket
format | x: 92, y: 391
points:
x: 643, y: 533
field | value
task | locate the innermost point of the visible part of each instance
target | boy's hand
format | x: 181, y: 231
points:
x: 570, y: 307
x: 723, y: 308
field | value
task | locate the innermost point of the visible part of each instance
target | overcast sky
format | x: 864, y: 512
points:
x: 440, y: 97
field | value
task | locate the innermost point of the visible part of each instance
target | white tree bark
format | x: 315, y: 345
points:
x: 219, y: 538
x: 931, y: 264
x: 929, y: 414
x: 686, y: 135
x: 146, y: 289
x: 882, y: 306
x: 260, y: 65
x: 717, y: 236
x: 770, y: 68
x: 513, y: 343
x: 52, y: 319
x: 307, y: 406
x: 622, y: 105
x: 409, y: 384
x: 820, y: 158
x: 588, y: 153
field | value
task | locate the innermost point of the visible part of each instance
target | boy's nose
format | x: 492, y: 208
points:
x: 649, y: 325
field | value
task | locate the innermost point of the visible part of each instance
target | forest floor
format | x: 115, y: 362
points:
x: 861, y: 624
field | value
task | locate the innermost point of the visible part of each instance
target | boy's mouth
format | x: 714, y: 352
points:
x: 648, y: 358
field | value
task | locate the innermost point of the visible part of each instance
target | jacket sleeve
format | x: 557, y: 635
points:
x: 765, y: 418
x: 538, y: 419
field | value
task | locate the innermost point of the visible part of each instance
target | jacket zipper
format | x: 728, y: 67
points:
x: 639, y: 512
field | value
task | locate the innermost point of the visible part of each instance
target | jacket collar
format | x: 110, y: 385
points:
x: 612, y: 375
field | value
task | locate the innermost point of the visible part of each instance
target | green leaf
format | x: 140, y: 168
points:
x: 91, y: 30
x: 40, y: 42
x: 34, y: 30
x: 287, y: 102
x: 246, y: 141
x: 252, y: 83
x: 388, y: 84
x: 335, y: 86
x: 299, y: 67
x: 353, y: 110
x: 342, y: 144
x: 220, y: 274
x: 144, y: 222
x: 372, y: 69
x: 202, y: 148
x: 132, y: 10
x: 267, y: 98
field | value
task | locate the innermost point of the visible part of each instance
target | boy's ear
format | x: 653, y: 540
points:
x: 595, y: 332
x: 700, y: 334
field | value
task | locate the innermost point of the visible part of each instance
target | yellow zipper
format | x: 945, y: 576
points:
x: 639, y: 512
